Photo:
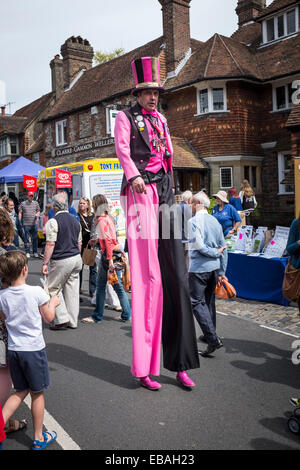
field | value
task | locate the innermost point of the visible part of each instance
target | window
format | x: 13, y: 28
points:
x: 3, y: 147
x: 254, y: 176
x: 111, y: 115
x: 226, y: 177
x: 13, y: 145
x: 211, y: 99
x: 61, y: 132
x: 282, y: 97
x: 203, y: 101
x: 270, y: 30
x: 285, y: 173
x: 247, y: 173
x: 280, y: 26
x: 291, y: 22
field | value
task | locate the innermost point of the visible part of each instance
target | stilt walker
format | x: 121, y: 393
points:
x: 161, y: 308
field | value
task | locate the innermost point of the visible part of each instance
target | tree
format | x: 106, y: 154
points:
x: 100, y: 57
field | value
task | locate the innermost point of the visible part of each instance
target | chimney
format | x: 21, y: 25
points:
x: 57, y: 76
x: 176, y: 28
x: 248, y: 10
x: 77, y: 54
x: 2, y: 111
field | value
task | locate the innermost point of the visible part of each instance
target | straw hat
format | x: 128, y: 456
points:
x: 222, y: 195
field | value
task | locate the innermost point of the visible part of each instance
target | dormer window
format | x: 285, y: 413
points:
x: 281, y: 26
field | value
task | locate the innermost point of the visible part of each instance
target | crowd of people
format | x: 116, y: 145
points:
x: 165, y: 299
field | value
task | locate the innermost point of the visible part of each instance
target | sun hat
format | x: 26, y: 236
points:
x: 222, y: 195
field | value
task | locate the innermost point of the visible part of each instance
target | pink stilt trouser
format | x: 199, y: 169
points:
x: 147, y: 291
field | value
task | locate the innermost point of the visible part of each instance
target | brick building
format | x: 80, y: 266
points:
x: 228, y: 101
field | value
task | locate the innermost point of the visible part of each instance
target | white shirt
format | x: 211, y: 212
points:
x: 23, y: 319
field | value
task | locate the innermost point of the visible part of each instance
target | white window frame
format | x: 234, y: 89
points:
x: 279, y: 84
x: 275, y: 18
x: 231, y: 174
x: 17, y: 145
x: 61, y: 124
x: 3, y: 147
x: 210, y: 87
x: 281, y: 173
x: 110, y: 120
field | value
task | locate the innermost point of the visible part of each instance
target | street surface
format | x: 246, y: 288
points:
x: 240, y: 402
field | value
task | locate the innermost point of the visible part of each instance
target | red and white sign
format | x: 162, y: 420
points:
x: 30, y: 183
x: 63, y: 179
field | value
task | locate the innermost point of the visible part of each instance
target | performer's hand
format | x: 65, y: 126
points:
x: 139, y: 185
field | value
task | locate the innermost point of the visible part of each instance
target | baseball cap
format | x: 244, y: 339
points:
x: 30, y: 193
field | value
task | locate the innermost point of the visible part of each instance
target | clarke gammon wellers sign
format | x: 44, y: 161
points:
x: 83, y: 147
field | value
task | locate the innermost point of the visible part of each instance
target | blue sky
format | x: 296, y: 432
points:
x: 32, y: 32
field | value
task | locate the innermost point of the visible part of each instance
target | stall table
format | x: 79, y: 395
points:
x: 257, y: 278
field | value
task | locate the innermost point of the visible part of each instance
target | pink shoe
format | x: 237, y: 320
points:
x: 147, y: 382
x: 184, y: 379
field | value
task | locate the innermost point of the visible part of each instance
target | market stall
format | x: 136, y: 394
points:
x: 256, y: 264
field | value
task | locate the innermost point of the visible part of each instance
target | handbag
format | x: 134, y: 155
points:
x: 89, y: 256
x: 224, y: 290
x: 291, y: 283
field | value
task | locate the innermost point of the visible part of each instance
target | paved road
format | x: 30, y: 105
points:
x: 241, y: 399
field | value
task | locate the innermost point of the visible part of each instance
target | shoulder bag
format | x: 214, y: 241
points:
x: 291, y: 283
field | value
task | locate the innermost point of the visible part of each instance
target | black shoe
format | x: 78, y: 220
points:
x: 202, y: 338
x: 211, y: 348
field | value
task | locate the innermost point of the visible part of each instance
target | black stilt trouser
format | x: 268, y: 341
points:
x: 179, y: 341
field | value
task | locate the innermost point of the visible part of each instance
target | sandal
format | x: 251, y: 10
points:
x: 15, y: 425
x: 88, y: 320
x: 40, y: 445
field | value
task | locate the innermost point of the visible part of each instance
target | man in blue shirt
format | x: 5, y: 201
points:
x: 208, y: 262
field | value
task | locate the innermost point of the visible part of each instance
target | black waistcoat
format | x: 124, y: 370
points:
x: 140, y: 149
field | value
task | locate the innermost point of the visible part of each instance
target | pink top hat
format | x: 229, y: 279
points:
x: 146, y: 73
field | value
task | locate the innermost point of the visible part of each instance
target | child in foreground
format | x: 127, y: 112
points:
x: 23, y: 307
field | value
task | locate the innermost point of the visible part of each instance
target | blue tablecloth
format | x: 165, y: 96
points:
x: 257, y: 278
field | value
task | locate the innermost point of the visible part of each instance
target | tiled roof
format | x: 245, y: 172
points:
x: 185, y: 156
x: 294, y: 117
x: 276, y: 6
x: 12, y: 124
x: 219, y: 57
x: 280, y: 58
x: 105, y: 80
x: 34, y: 109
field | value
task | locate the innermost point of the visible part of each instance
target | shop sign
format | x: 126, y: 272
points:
x: 84, y: 147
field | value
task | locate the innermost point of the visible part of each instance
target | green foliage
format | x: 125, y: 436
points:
x: 213, y: 203
x: 101, y: 57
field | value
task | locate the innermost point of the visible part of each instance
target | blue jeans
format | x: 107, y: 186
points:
x: 31, y: 231
x: 100, y: 296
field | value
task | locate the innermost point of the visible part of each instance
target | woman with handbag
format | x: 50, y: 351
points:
x: 111, y: 262
x: 86, y: 219
x: 291, y: 283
